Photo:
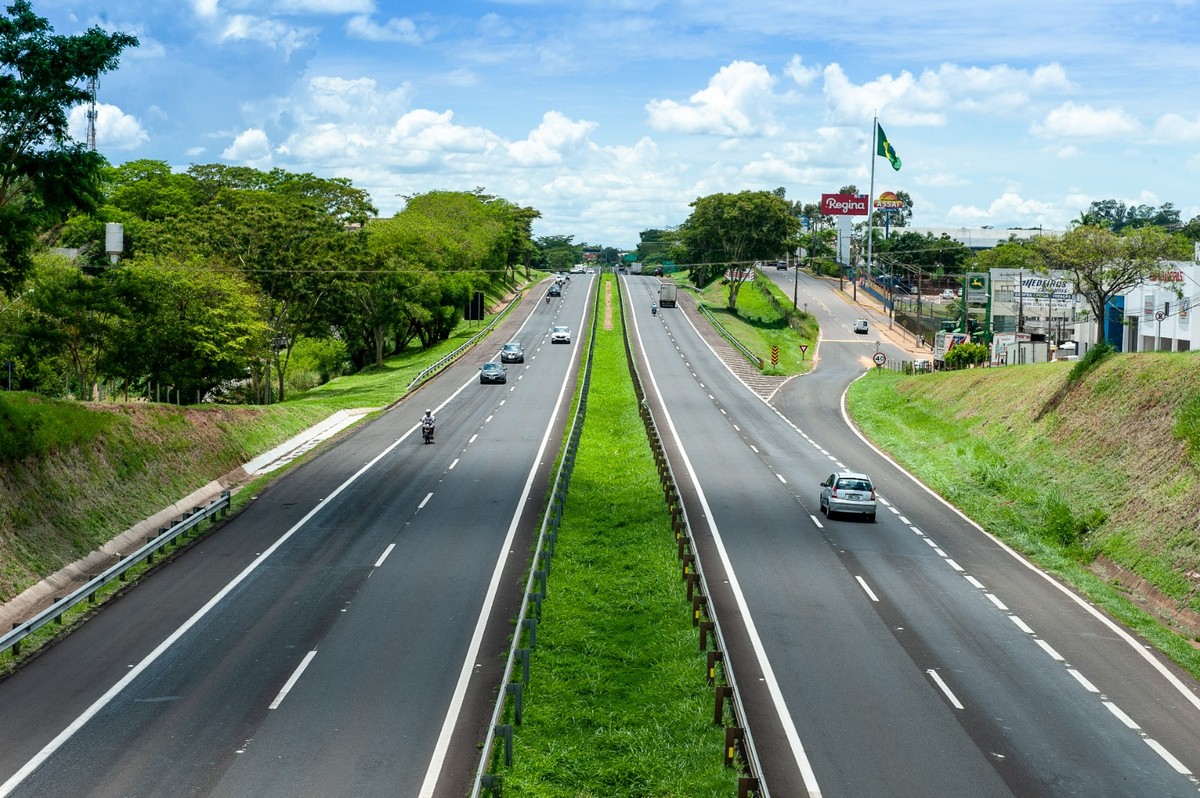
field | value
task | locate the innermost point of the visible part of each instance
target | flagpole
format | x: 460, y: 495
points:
x: 871, y: 197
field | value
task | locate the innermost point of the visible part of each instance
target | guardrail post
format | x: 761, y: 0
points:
x: 523, y: 655
x: 531, y: 625
x: 536, y: 598
x: 517, y: 691
x: 698, y: 602
x: 710, y: 670
x: 493, y: 782
x: 746, y: 786
x: 733, y: 735
x: 689, y: 564
x: 723, y: 692
x: 506, y: 731
x: 706, y: 627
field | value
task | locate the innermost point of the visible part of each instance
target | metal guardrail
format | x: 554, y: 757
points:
x: 447, y: 359
x: 166, y: 535
x: 525, y: 637
x: 704, y: 615
x: 729, y: 336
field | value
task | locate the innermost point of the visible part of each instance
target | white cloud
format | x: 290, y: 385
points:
x: 802, y: 75
x: 115, y: 129
x: 737, y: 102
x: 1082, y: 121
x: 325, y: 6
x: 1007, y: 210
x: 396, y: 29
x: 278, y: 35
x: 250, y: 147
x: 1173, y: 128
x: 547, y: 143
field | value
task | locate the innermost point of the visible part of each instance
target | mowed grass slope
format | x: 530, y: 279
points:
x: 617, y: 704
x: 1078, y: 475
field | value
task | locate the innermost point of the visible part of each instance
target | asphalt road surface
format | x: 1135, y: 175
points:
x: 916, y: 656
x: 342, y: 635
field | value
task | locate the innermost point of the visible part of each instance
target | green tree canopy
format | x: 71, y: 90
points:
x: 44, y: 174
x: 737, y: 228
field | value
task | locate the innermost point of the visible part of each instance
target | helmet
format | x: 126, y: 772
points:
x: 428, y: 411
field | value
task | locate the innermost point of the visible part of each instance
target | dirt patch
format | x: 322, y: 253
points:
x: 1146, y: 596
x: 608, y: 308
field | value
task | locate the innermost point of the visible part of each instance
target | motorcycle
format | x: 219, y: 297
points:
x: 654, y: 310
x: 427, y: 431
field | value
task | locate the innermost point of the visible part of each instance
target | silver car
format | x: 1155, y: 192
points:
x: 848, y: 492
x: 560, y: 335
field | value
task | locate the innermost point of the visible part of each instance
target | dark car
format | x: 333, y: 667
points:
x: 493, y: 372
x: 555, y: 290
x: 512, y: 352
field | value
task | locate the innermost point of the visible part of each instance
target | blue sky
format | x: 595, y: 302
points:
x: 610, y: 117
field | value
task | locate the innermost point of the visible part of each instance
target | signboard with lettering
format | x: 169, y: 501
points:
x: 845, y: 204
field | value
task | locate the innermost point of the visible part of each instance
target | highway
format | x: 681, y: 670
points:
x: 341, y: 635
x: 916, y: 656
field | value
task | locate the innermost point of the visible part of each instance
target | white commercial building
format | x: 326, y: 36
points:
x: 1157, y: 313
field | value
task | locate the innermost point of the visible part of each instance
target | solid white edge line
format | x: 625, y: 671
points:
x: 870, y: 593
x: 440, y: 748
x: 100, y: 703
x: 768, y: 673
x: 385, y: 554
x: 945, y: 688
x: 1141, y: 650
x: 291, y: 682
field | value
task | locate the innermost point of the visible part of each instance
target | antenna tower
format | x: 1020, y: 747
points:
x: 91, y: 113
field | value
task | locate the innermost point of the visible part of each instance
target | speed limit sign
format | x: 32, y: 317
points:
x: 880, y: 358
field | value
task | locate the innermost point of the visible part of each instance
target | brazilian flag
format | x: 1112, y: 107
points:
x: 885, y: 149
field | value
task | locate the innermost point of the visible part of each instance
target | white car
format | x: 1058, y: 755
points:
x: 861, y: 326
x: 947, y: 294
x: 560, y: 335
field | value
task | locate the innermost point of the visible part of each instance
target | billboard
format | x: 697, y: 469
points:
x: 845, y: 204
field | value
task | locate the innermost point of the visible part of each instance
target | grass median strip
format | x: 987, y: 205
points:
x: 617, y: 703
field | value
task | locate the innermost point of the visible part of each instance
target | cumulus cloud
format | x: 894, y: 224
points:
x: 1082, y: 121
x: 801, y: 74
x: 1007, y: 210
x: 925, y: 99
x: 396, y: 29
x: 115, y: 129
x: 325, y: 6
x: 550, y: 140
x: 250, y: 147
x: 737, y: 102
x: 1174, y: 128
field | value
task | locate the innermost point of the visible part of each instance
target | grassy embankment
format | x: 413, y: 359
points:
x: 75, y: 474
x: 758, y: 324
x: 617, y: 703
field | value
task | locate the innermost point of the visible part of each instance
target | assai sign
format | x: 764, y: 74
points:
x: 845, y: 204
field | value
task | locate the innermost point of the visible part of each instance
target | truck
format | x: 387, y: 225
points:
x: 1012, y: 349
x: 666, y: 293
x: 943, y: 342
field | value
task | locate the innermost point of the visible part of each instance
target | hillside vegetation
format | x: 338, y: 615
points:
x: 1095, y: 478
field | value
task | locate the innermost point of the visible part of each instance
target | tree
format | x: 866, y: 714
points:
x: 1115, y: 216
x: 1102, y: 264
x: 737, y: 228
x: 44, y: 174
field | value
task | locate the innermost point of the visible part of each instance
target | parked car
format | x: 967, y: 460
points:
x: 512, y: 352
x: 560, y: 335
x: 861, y: 326
x: 848, y: 492
x: 493, y: 372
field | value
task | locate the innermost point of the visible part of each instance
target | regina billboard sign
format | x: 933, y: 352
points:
x: 845, y: 204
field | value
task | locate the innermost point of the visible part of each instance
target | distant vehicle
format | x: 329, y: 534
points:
x: 667, y: 290
x: 555, y: 290
x: 658, y: 272
x: 781, y: 265
x: 493, y: 372
x: 848, y: 492
x: 560, y: 335
x: 947, y: 293
x: 578, y: 268
x: 943, y: 342
x: 861, y: 326
x: 512, y: 352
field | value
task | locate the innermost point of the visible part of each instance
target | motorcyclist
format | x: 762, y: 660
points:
x: 428, y: 423
x: 653, y: 308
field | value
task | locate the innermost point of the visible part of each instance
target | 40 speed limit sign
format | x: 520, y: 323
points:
x: 880, y: 358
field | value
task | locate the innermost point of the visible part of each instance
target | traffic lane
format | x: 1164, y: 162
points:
x: 1045, y: 730
x: 282, y: 505
x: 366, y: 710
x: 1155, y: 698
x: 796, y: 592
